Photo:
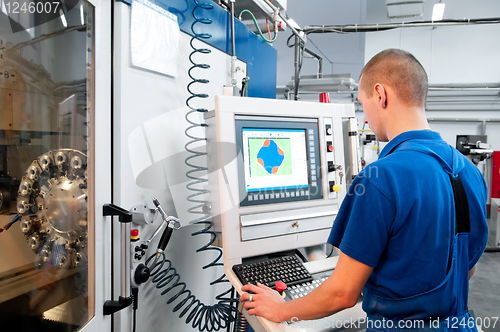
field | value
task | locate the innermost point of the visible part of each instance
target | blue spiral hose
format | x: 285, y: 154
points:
x: 204, y: 317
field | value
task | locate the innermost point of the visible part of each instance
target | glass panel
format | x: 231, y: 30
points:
x: 46, y: 84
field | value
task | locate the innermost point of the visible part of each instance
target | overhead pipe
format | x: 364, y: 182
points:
x: 319, y: 58
x: 388, y: 26
x: 446, y: 87
x: 460, y: 99
x: 461, y: 120
x: 483, y: 122
x: 233, y: 39
x: 464, y: 89
x: 485, y: 87
x: 297, y: 69
x: 233, y: 47
x: 490, y: 85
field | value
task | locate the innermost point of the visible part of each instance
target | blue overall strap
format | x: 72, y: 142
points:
x: 462, y: 217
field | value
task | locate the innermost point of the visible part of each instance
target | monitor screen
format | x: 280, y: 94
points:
x: 274, y: 159
x: 280, y: 161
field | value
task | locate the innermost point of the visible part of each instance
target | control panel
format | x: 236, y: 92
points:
x: 334, y: 171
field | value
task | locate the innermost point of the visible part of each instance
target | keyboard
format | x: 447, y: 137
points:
x: 300, y: 290
x: 288, y: 269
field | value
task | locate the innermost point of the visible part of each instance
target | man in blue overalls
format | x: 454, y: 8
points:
x: 412, y: 226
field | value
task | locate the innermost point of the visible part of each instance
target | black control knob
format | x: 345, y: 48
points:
x: 331, y: 166
x: 141, y: 274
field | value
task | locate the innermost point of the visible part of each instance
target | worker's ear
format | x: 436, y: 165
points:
x: 381, y: 95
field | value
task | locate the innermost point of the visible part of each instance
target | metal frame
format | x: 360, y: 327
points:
x: 100, y: 177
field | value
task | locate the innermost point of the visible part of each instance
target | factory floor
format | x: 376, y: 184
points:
x: 484, y: 287
x: 484, y: 291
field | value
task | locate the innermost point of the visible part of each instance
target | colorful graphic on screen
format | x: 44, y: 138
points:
x: 270, y: 157
x: 274, y: 159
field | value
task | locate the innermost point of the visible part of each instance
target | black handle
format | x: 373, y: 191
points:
x: 124, y: 216
x: 114, y: 210
x: 110, y: 307
x: 165, y: 237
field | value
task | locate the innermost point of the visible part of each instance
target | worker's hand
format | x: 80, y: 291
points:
x: 265, y: 302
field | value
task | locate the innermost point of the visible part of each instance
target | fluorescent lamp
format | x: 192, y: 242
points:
x: 63, y: 18
x: 438, y: 11
x: 81, y: 15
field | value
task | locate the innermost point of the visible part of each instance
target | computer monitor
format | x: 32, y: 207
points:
x: 279, y: 160
x: 275, y: 174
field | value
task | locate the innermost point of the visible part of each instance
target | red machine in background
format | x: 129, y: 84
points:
x: 495, y: 175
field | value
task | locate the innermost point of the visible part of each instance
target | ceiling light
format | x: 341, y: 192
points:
x: 438, y: 11
x: 397, y: 9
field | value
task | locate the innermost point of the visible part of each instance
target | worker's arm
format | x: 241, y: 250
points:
x: 471, y: 272
x: 340, y: 291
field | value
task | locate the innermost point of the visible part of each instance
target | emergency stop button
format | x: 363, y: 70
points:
x: 134, y: 234
x: 280, y: 288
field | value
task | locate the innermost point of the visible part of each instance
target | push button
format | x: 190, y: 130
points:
x: 333, y: 187
x: 329, y: 130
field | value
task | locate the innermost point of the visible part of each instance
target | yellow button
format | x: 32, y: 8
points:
x: 336, y: 188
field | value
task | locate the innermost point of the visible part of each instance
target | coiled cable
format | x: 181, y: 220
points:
x: 242, y: 324
x: 204, y: 317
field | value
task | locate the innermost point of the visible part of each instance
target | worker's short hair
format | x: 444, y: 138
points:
x: 401, y: 71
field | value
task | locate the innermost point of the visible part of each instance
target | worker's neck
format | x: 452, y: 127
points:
x: 405, y: 120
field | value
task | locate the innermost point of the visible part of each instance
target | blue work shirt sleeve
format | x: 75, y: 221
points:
x: 478, y: 236
x: 362, y: 226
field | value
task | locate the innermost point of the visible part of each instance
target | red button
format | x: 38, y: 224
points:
x: 280, y: 286
x: 330, y: 148
x: 134, y: 233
